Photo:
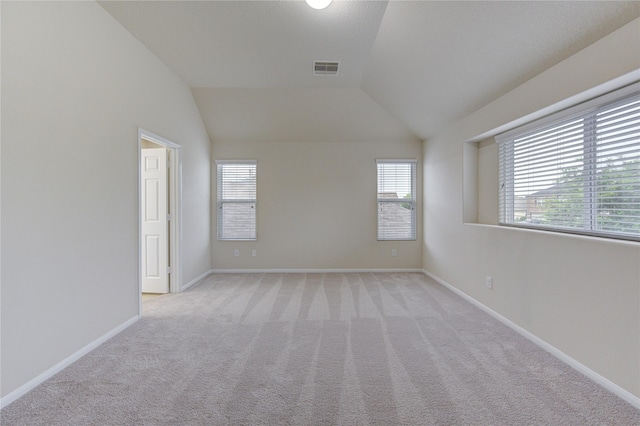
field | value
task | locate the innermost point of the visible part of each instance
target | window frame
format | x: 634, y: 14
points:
x: 589, y: 164
x: 221, y: 201
x: 397, y: 200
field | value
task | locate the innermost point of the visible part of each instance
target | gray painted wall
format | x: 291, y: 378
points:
x: 75, y: 88
x: 580, y: 294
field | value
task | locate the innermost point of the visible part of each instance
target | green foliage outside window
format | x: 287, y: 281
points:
x: 615, y: 208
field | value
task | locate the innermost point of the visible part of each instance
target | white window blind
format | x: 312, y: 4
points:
x: 576, y: 171
x: 396, y: 199
x: 236, y: 200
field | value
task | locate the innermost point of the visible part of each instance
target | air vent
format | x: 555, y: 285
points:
x: 325, y: 67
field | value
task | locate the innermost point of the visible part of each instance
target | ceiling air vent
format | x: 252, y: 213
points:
x: 325, y: 67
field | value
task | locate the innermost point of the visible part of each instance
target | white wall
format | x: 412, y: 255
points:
x: 316, y: 207
x: 75, y: 88
x: 581, y: 295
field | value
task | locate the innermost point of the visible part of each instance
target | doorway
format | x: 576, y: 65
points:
x: 159, y: 189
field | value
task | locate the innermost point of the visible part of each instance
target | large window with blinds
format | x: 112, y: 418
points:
x: 576, y: 171
x: 396, y: 199
x: 236, y: 204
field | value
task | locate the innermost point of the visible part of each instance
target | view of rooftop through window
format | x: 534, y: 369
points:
x: 581, y: 173
x: 396, y: 199
x: 236, y: 200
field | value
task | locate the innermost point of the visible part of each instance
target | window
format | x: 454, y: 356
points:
x: 396, y: 199
x: 236, y: 200
x: 576, y: 171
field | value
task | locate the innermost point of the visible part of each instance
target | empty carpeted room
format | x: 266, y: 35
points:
x: 377, y: 212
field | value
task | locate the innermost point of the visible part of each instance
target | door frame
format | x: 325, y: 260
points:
x: 175, y: 207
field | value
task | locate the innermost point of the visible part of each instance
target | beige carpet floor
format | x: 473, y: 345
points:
x: 318, y: 349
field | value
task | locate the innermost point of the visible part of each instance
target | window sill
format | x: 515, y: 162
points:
x: 556, y: 234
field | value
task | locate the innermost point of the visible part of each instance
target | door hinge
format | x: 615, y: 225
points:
x: 169, y: 216
x: 168, y: 164
x: 169, y: 269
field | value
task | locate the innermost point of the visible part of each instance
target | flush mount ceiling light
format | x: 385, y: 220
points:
x: 318, y: 4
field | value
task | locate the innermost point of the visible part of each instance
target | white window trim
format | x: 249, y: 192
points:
x: 413, y: 200
x: 219, y: 202
x: 580, y: 110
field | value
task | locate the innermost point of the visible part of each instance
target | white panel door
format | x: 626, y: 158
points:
x: 155, y: 229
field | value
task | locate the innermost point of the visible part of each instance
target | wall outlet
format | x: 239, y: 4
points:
x: 236, y: 253
x: 394, y: 253
x: 489, y: 282
x: 253, y: 253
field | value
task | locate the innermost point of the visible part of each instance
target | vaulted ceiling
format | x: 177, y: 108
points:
x: 407, y: 68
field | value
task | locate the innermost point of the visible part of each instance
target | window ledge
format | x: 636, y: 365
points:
x: 556, y: 234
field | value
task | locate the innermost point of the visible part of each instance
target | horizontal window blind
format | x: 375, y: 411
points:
x: 576, y: 171
x: 396, y: 199
x: 236, y: 200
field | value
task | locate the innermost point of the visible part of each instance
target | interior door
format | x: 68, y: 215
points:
x: 155, y: 229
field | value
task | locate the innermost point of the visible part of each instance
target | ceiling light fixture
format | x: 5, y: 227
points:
x: 318, y: 4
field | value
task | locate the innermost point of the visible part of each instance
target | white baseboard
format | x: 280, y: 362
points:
x: 9, y: 398
x: 602, y: 381
x: 196, y: 280
x: 312, y: 271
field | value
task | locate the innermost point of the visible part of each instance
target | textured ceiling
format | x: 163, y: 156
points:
x: 297, y: 115
x: 434, y: 62
x: 407, y: 68
x: 254, y: 43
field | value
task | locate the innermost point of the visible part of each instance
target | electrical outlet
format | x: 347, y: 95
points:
x: 236, y: 253
x: 253, y: 253
x: 394, y: 253
x: 489, y: 282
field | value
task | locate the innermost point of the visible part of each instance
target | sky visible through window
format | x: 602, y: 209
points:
x: 543, y: 158
x: 394, y: 178
x: 580, y: 173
